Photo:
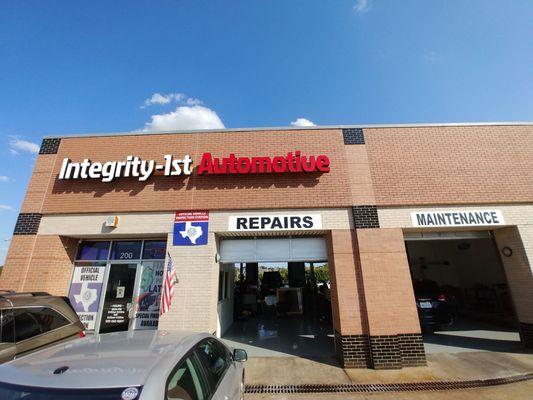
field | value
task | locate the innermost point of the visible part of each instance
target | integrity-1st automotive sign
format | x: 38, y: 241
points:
x: 136, y: 167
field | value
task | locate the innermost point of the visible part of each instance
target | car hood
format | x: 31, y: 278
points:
x: 107, y: 360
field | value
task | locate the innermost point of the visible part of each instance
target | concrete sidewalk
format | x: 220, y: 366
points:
x: 441, y: 367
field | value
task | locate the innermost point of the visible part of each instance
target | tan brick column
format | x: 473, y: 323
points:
x: 16, y: 270
x: 519, y: 273
x: 394, y: 329
x: 347, y: 301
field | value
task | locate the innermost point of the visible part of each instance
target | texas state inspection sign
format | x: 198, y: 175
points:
x: 190, y: 228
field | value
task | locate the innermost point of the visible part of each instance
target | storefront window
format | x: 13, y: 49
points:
x: 95, y: 273
x: 126, y: 250
x: 93, y: 251
x: 154, y: 249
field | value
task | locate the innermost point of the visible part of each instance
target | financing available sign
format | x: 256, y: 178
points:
x: 85, y: 291
x: 274, y: 222
x: 457, y: 218
x: 149, y: 298
x: 191, y: 228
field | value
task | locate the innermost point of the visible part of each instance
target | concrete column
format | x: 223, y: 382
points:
x: 519, y: 273
x: 194, y: 306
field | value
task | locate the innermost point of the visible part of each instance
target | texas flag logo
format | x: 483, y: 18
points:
x: 190, y: 228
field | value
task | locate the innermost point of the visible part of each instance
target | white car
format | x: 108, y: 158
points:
x: 139, y: 365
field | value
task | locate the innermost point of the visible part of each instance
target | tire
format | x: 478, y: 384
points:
x: 428, y: 329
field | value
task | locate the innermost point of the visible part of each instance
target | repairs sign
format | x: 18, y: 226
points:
x: 273, y: 222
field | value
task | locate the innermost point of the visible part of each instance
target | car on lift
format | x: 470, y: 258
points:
x: 134, y: 365
x: 30, y: 321
x: 432, y: 304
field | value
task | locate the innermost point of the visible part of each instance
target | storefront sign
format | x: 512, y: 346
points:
x: 115, y: 314
x: 272, y: 222
x: 457, y: 218
x: 190, y: 228
x: 296, y: 162
x: 136, y: 167
x: 132, y: 167
x: 85, y: 291
x: 148, y: 300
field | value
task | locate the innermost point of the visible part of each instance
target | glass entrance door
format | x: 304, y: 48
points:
x: 118, y: 301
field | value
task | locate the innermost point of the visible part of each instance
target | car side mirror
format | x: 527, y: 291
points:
x: 240, y: 355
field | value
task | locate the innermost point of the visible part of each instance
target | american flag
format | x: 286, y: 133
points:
x: 168, y: 288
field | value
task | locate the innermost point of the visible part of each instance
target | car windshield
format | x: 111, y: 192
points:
x: 425, y: 288
x: 17, y: 392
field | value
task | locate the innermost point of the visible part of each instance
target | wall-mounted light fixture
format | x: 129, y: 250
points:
x: 507, y: 251
x: 111, y: 221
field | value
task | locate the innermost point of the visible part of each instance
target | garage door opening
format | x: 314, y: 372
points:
x: 461, y: 292
x: 275, y: 300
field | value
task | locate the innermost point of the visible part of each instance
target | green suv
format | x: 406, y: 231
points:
x: 30, y: 321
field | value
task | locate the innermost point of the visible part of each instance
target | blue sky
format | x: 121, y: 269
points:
x: 102, y: 66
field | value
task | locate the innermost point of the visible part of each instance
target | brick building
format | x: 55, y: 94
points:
x: 384, y: 206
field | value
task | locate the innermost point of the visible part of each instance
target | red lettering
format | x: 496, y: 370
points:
x: 322, y: 163
x: 206, y: 164
x: 308, y: 166
x: 259, y: 165
x: 279, y: 164
x: 243, y: 165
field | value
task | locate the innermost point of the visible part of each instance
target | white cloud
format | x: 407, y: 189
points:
x: 362, y: 6
x: 17, y: 145
x: 185, y: 118
x: 158, y: 98
x: 302, y: 122
x: 4, y: 207
x: 4, y: 178
x: 191, y: 101
x: 162, y: 99
x: 432, y: 56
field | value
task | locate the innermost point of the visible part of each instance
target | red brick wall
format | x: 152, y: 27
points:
x: 451, y: 164
x: 201, y: 191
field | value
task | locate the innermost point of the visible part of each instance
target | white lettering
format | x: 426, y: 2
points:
x: 133, y: 166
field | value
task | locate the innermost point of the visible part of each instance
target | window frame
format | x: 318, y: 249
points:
x: 223, y: 285
x: 106, y: 263
x: 69, y: 322
x: 5, y: 311
x: 191, y: 353
x: 111, y: 246
x: 229, y: 360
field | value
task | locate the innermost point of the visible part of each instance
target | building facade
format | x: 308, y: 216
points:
x: 98, y: 206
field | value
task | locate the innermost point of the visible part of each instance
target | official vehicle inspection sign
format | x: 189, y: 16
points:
x: 85, y: 291
x: 190, y: 228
